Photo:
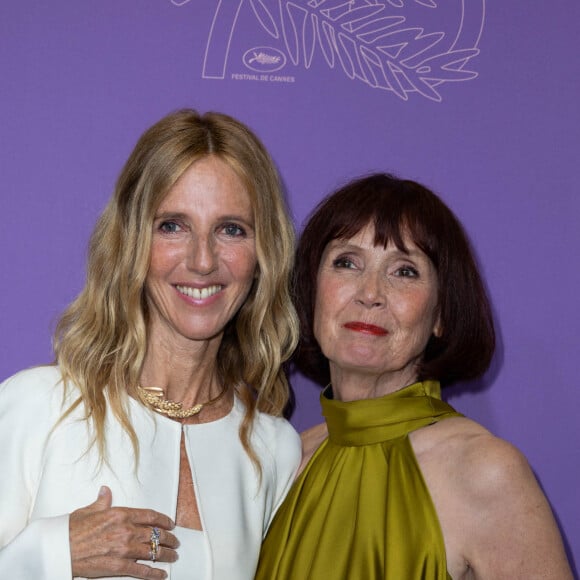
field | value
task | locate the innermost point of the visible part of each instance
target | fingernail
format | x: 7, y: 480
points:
x: 102, y: 491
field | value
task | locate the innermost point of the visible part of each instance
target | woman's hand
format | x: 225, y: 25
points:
x: 107, y: 541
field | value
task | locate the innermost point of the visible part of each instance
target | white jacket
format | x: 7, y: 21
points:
x: 44, y: 477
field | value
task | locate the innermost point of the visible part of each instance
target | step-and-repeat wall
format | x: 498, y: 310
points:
x: 477, y: 99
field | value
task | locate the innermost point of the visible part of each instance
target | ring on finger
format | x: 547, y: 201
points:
x: 154, y: 544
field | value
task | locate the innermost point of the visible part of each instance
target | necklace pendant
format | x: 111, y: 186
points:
x: 154, y: 398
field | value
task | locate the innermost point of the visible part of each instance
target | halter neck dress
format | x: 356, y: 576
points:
x: 361, y: 509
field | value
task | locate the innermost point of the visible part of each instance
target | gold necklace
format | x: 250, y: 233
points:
x: 153, y: 396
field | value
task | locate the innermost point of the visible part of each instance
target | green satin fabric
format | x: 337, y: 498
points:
x: 360, y: 510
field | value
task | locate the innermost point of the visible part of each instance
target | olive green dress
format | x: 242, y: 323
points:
x: 361, y: 509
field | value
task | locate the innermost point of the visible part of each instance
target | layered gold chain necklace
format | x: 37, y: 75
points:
x: 154, y: 398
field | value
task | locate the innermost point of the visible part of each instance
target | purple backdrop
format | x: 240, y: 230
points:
x: 477, y: 100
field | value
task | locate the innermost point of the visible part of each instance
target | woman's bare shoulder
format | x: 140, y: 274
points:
x: 472, y: 453
x: 477, y: 465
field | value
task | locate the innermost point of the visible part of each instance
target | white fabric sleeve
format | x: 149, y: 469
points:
x: 29, y: 548
x: 39, y: 552
x: 288, y: 455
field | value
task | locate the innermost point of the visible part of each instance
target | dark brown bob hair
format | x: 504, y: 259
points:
x: 400, y: 209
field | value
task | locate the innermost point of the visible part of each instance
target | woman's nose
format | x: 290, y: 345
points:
x: 371, y: 291
x: 201, y: 257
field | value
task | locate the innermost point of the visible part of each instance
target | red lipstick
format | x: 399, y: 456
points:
x: 366, y: 328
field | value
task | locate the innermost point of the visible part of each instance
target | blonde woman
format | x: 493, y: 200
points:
x: 154, y: 447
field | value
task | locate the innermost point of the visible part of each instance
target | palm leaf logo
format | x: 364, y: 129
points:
x: 371, y: 41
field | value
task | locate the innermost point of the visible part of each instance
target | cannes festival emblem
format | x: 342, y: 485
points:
x: 404, y: 47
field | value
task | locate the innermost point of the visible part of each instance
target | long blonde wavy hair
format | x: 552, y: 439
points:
x: 101, y: 339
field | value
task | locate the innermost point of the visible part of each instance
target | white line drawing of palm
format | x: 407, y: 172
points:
x: 376, y: 46
x: 369, y: 39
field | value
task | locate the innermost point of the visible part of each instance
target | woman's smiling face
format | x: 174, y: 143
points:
x: 203, y: 253
x: 375, y: 308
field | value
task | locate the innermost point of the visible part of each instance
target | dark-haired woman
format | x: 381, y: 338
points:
x: 397, y: 485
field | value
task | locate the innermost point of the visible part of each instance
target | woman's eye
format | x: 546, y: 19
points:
x: 407, y: 272
x: 234, y: 230
x: 169, y: 227
x: 343, y: 262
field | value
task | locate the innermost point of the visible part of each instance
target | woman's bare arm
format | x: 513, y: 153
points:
x: 496, y: 521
